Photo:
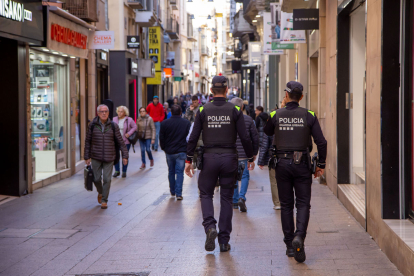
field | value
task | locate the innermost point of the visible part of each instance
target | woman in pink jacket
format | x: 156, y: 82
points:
x: 127, y: 127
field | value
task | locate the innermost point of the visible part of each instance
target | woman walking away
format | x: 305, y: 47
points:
x: 127, y: 127
x: 146, y: 134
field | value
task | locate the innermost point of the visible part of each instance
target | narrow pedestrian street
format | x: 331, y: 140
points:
x: 61, y: 230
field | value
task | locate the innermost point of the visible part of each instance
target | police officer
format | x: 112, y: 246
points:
x: 292, y: 128
x: 220, y: 122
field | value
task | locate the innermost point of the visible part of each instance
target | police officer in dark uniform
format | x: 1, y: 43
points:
x: 292, y: 128
x: 220, y: 122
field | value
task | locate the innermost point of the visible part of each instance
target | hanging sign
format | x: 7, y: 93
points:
x: 168, y: 72
x: 306, y: 19
x: 154, y: 48
x: 287, y: 34
x: 255, y: 53
x: 133, y: 42
x: 271, y: 32
x: 102, y: 40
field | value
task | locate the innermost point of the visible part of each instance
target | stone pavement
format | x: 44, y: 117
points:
x: 61, y: 230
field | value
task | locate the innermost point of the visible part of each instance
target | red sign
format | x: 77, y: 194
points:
x: 67, y: 36
x: 168, y: 72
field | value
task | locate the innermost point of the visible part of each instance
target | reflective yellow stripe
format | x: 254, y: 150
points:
x: 201, y: 109
x: 311, y: 112
x: 272, y: 114
x: 237, y: 107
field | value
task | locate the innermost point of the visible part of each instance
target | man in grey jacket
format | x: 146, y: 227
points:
x: 239, y: 198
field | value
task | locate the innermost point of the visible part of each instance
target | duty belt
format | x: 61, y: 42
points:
x: 286, y: 155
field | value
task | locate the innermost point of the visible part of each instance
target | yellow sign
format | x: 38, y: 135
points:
x: 154, y: 39
x: 156, y: 80
x: 219, y: 15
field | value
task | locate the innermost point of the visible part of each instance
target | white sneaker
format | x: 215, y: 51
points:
x: 276, y: 207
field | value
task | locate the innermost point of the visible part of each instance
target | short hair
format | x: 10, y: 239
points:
x: 219, y: 90
x: 101, y: 105
x: 126, y: 110
x: 176, y: 109
x: 295, y: 94
x: 139, y: 110
x: 194, y: 98
x: 260, y: 108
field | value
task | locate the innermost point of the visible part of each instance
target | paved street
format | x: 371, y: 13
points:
x: 61, y: 230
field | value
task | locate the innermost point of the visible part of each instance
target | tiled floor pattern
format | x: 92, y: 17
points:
x: 60, y: 230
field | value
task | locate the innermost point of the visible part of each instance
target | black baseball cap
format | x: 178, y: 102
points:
x: 292, y: 85
x: 219, y: 81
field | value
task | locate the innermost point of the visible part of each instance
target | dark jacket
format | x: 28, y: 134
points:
x: 101, y: 145
x: 254, y: 137
x: 265, y: 150
x: 173, y: 134
x: 260, y: 124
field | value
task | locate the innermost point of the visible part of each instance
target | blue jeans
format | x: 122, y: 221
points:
x: 176, y: 164
x: 124, y: 167
x: 157, y: 134
x: 244, y: 184
x: 145, y: 146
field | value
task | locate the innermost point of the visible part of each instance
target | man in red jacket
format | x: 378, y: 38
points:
x: 156, y: 112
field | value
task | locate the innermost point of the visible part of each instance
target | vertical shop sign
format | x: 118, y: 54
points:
x: 271, y: 32
x: 232, y: 14
x: 255, y: 53
x: 287, y: 34
x: 154, y: 45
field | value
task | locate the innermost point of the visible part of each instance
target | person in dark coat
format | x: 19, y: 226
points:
x: 239, y: 198
x: 252, y: 111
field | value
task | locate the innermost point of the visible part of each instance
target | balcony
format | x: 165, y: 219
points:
x: 136, y: 4
x: 190, y: 35
x: 241, y: 26
x: 205, y: 51
x: 145, y: 18
x: 173, y: 4
x: 173, y: 29
x: 83, y: 9
x: 252, y: 8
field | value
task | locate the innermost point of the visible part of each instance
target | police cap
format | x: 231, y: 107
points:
x: 219, y: 82
x: 290, y: 87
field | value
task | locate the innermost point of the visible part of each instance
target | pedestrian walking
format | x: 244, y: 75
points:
x: 265, y: 153
x: 183, y: 106
x: 167, y: 111
x: 220, y: 122
x: 192, y: 110
x: 252, y: 111
x: 259, y: 121
x: 239, y: 198
x: 127, y: 127
x: 292, y: 128
x: 146, y: 133
x: 102, y: 139
x: 156, y: 112
x: 173, y: 142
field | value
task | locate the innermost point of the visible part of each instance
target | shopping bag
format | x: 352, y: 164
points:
x: 88, y: 175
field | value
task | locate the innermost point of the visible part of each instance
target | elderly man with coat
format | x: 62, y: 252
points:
x: 102, y: 140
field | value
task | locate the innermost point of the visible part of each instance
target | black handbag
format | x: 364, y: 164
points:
x: 89, y: 178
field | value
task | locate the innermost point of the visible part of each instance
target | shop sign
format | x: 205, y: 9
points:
x: 68, y: 36
x: 102, y: 40
x: 306, y: 19
x: 104, y: 56
x: 23, y: 19
x: 133, y: 67
x: 156, y: 80
x: 14, y: 11
x: 154, y: 48
x: 178, y: 78
x: 255, y: 53
x: 287, y: 33
x: 272, y: 30
x: 133, y: 42
x: 168, y: 72
x: 170, y: 60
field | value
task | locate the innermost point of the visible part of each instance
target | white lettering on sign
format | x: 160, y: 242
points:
x: 218, y: 118
x: 103, y: 56
x: 291, y: 121
x: 14, y: 11
x: 134, y: 65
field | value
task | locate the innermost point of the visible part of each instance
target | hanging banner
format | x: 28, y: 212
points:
x: 271, y: 32
x: 102, y: 40
x: 232, y: 14
x: 170, y: 60
x: 255, y: 53
x: 154, y: 48
x: 287, y: 34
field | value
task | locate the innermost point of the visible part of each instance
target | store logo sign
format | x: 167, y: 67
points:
x: 103, y: 56
x: 133, y: 42
x: 14, y: 11
x: 67, y: 36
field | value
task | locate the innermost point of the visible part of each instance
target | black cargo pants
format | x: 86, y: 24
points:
x: 294, y: 181
x: 218, y: 166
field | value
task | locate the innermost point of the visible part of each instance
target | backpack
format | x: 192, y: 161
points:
x: 117, y: 147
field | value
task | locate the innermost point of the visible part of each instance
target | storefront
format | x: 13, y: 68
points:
x: 21, y: 26
x: 56, y: 96
x: 102, y: 75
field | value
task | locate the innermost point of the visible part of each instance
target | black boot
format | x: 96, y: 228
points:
x: 299, y: 249
x: 242, y: 205
x: 116, y: 174
x: 290, y: 252
x: 211, y: 239
x: 225, y: 247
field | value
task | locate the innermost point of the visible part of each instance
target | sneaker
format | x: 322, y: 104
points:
x: 225, y: 247
x: 242, y: 205
x: 116, y: 174
x: 152, y: 163
x: 276, y: 207
x: 124, y: 174
x: 142, y: 167
x: 211, y: 239
x: 104, y: 205
x: 235, y: 206
x: 180, y: 198
x: 99, y: 198
x: 299, y: 249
